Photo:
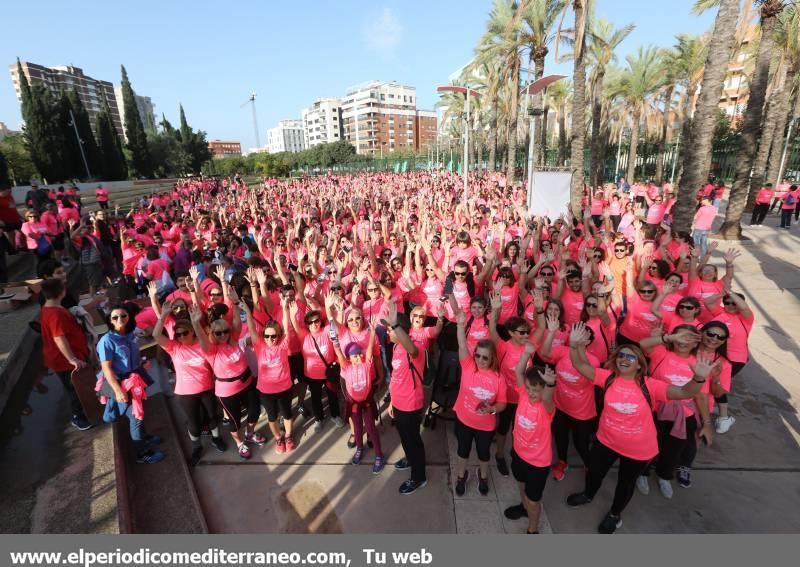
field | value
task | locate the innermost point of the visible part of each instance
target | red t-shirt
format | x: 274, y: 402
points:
x: 532, y: 439
x: 59, y: 322
x: 478, y: 386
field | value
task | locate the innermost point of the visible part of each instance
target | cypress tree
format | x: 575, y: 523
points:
x: 111, y: 159
x: 84, y: 129
x: 194, y: 144
x: 70, y: 151
x: 141, y: 162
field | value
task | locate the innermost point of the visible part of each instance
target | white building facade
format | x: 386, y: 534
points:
x: 322, y: 122
x: 287, y: 136
x: 379, y: 117
x: 144, y: 105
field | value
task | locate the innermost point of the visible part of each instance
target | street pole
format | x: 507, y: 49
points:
x: 675, y: 160
x: 80, y: 144
x: 466, y: 149
x: 785, y: 151
x: 531, y: 131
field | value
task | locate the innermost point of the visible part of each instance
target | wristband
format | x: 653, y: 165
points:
x: 395, y: 325
x: 698, y: 381
x: 540, y: 312
x: 550, y: 385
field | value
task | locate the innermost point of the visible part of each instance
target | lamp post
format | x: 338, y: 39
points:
x: 675, y: 160
x: 532, y: 89
x: 80, y: 144
x: 467, y: 93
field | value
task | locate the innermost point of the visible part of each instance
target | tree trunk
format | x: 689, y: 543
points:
x: 594, y: 157
x: 538, y: 73
x: 700, y: 138
x: 543, y: 137
x: 562, y: 137
x: 746, y: 149
x: 781, y: 123
x: 602, y: 146
x: 578, y: 107
x: 637, y: 116
x: 662, y: 146
x: 493, y: 145
x: 512, y: 123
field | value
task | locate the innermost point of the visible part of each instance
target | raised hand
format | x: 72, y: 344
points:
x: 731, y: 255
x: 548, y: 375
x: 553, y: 323
x: 495, y: 301
x: 391, y: 313
x: 194, y: 273
x: 579, y: 335
x: 166, y: 309
x: 195, y: 314
x: 152, y: 289
x: 704, y: 364
x: 461, y: 318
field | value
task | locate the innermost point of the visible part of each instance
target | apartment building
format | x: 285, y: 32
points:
x: 322, y: 122
x: 287, y: 136
x: 224, y: 148
x: 144, y: 105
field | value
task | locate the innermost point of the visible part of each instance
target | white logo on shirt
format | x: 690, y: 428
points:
x: 525, y: 423
x: 482, y: 393
x: 625, y: 407
x: 569, y: 377
x: 677, y: 379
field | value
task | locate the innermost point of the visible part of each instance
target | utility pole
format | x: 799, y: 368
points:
x: 80, y: 144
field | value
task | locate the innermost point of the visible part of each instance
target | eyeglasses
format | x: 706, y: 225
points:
x: 647, y: 291
x: 271, y: 337
x: 597, y: 256
x: 728, y: 303
x: 546, y: 274
x: 712, y: 335
x: 460, y: 274
x: 314, y: 322
x: 628, y: 356
x: 522, y: 332
x: 620, y: 250
x: 482, y: 357
x: 590, y: 305
x: 222, y: 333
x: 215, y: 294
x: 653, y: 268
x: 118, y: 317
x: 418, y: 316
x: 372, y: 289
x: 351, y: 319
x: 686, y: 307
x: 183, y: 334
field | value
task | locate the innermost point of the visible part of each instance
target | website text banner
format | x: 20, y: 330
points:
x: 392, y: 550
x: 550, y: 195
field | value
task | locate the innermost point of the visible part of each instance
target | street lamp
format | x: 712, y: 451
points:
x: 532, y: 89
x: 467, y: 93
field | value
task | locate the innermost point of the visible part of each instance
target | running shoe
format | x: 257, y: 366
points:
x: 643, y: 485
x: 724, y: 424
x: 280, y: 445
x: 255, y: 438
x: 357, y: 456
x: 515, y: 512
x: 684, y: 477
x: 411, y: 486
x: 378, y: 466
x: 560, y: 470
x: 402, y: 464
x: 218, y: 444
x: 80, y: 423
x: 610, y: 524
x: 149, y: 457
x: 290, y: 445
x: 578, y: 499
x: 244, y: 452
x: 461, y: 484
x: 502, y: 466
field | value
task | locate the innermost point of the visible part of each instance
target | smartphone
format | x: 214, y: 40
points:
x: 293, y: 267
x: 385, y: 323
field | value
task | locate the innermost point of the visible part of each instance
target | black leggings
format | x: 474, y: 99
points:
x: 315, y: 387
x: 74, y: 402
x: 736, y: 367
x: 191, y: 404
x: 232, y: 406
x: 506, y: 419
x: 600, y: 460
x: 673, y: 451
x: 465, y: 435
x: 760, y: 211
x: 408, y: 423
x: 277, y: 403
x: 581, y: 435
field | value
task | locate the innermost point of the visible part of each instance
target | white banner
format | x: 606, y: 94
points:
x: 550, y: 195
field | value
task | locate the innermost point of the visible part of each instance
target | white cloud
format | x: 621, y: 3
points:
x: 383, y: 32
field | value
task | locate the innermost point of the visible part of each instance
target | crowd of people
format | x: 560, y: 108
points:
x: 340, y: 295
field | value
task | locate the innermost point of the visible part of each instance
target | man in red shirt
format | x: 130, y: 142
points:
x: 788, y: 205
x: 64, y: 345
x: 761, y: 207
x: 101, y: 193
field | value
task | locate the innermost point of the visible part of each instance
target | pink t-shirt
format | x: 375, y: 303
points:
x: 478, y: 387
x: 461, y: 294
x: 358, y: 380
x: 656, y: 212
x: 478, y: 330
x: 509, y: 295
x: 467, y: 254
x: 313, y: 363
x: 532, y: 438
x: 671, y: 368
x: 509, y: 354
x: 574, y: 394
x: 738, y: 331
x: 406, y: 389
x: 640, y: 321
x: 155, y: 269
x: 227, y: 361
x: 626, y: 424
x: 604, y: 337
x: 704, y: 217
x: 573, y: 305
x: 273, y: 367
x: 192, y: 372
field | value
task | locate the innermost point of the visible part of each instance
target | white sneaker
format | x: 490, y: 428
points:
x: 724, y: 424
x: 338, y: 422
x: 666, y: 488
x: 643, y: 485
x: 715, y: 411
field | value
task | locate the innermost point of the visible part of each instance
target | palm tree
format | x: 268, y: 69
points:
x: 487, y: 77
x: 503, y: 44
x: 746, y: 149
x: 578, y: 134
x: 690, y: 58
x: 603, y: 40
x: 669, y: 70
x: 538, y: 17
x: 700, y: 137
x: 637, y: 82
x: 558, y: 97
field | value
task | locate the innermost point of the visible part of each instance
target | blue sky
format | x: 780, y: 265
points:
x: 211, y: 55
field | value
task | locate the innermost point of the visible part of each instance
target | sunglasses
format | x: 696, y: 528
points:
x: 628, y: 356
x: 350, y: 319
x: 118, y: 317
x: 647, y: 291
x: 507, y: 276
x: 591, y: 305
x: 620, y: 250
x: 371, y: 289
x: 314, y: 322
x: 546, y: 274
x: 686, y: 307
x: 222, y: 333
x: 653, y: 268
x: 215, y: 294
x: 719, y: 337
x: 336, y: 288
x: 271, y: 337
x: 598, y: 256
x: 522, y: 332
x: 482, y: 357
x: 460, y: 274
x: 183, y: 334
x: 387, y: 254
x: 728, y: 303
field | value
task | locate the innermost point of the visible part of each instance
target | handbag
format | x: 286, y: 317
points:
x: 43, y: 246
x: 333, y: 372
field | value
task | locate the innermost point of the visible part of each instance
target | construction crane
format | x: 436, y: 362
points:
x: 252, y: 101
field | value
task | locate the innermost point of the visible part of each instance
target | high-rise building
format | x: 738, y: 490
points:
x: 287, y: 136
x: 145, y: 106
x: 223, y: 148
x: 322, y: 122
x: 425, y: 129
x: 65, y: 78
x: 735, y: 90
x: 379, y: 117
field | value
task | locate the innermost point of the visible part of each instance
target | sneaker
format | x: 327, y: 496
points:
x: 225, y: 421
x: 357, y: 456
x: 218, y: 444
x: 338, y: 422
x: 684, y: 477
x: 724, y: 424
x: 560, y: 470
x: 255, y: 438
x: 378, y: 466
x: 515, y: 512
x: 402, y: 465
x: 149, y: 457
x: 411, y: 486
x: 578, y: 499
x: 152, y: 439
x: 483, y: 484
x: 80, y: 423
x: 197, y: 452
x: 502, y: 467
x: 317, y: 426
x: 280, y: 445
x: 244, y: 452
x: 461, y: 484
x: 351, y: 442
x: 610, y: 524
x: 643, y: 485
x: 290, y: 445
x: 665, y: 487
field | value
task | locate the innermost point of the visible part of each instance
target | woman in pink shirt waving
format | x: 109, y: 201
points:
x: 626, y: 430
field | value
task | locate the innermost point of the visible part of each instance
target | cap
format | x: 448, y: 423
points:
x: 353, y: 348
